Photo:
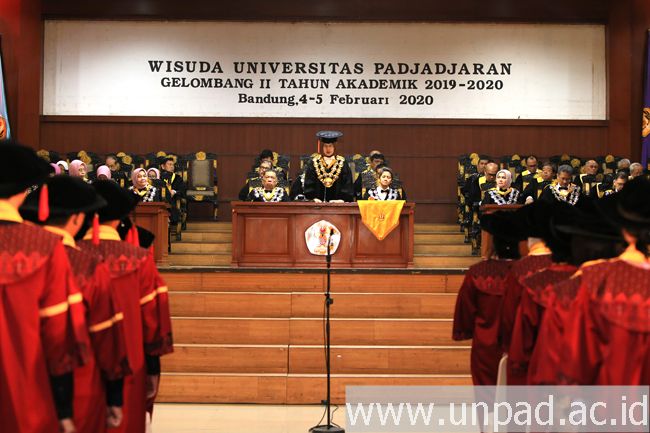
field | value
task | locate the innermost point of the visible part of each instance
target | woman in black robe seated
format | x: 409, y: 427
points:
x: 142, y: 187
x: 503, y: 193
x: 384, y: 191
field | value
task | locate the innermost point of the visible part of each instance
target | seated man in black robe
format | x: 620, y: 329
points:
x: 588, y: 180
x: 536, y: 186
x: 564, y: 189
x: 526, y: 177
x: 174, y: 187
x: 268, y: 155
x: 375, y: 159
x: 255, y: 181
x: 328, y: 177
x: 269, y: 192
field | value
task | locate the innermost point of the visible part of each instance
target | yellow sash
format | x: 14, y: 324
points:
x: 380, y: 216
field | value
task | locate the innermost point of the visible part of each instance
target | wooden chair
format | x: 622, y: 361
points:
x: 202, y: 184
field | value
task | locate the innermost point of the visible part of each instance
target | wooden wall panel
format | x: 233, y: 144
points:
x: 489, y: 10
x: 21, y: 34
x: 424, y: 153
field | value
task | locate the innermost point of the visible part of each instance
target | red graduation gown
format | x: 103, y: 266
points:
x: 544, y: 366
x: 477, y: 317
x: 41, y: 325
x: 521, y: 269
x: 147, y: 323
x: 529, y: 318
x: 607, y: 340
x: 107, y: 360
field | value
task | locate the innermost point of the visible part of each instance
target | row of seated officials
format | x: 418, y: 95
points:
x: 574, y: 310
x: 164, y: 180
x: 371, y: 179
x: 489, y: 184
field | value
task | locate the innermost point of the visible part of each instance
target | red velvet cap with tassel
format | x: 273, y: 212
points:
x: 135, y: 240
x: 96, y: 229
x: 44, y: 204
x: 129, y: 237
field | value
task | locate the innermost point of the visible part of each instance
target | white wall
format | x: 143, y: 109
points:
x: 543, y: 71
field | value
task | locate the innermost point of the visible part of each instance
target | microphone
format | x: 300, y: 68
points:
x: 329, y: 242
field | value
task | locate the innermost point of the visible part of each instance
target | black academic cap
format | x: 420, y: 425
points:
x: 531, y: 220
x: 120, y: 201
x: 591, y: 235
x: 66, y: 196
x: 145, y: 237
x: 504, y: 224
x: 539, y: 220
x: 578, y: 233
x: 22, y: 168
x: 586, y: 221
x: 629, y: 208
x: 329, y: 136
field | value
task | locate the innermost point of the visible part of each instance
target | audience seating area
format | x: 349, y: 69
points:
x: 467, y: 166
x: 198, y: 171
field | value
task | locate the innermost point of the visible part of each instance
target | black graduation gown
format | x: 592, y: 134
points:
x: 296, y: 187
x: 534, y: 189
x: 549, y: 196
x: 256, y: 194
x: 173, y: 181
x: 341, y: 189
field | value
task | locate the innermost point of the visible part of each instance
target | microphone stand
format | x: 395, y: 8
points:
x: 329, y: 428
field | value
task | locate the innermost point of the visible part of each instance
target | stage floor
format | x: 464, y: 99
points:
x: 229, y: 418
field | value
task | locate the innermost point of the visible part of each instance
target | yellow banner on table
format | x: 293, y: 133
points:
x: 380, y: 216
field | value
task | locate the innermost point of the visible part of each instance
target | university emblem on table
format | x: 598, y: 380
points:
x: 316, y: 237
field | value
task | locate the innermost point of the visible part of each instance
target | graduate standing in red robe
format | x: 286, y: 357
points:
x: 593, y: 241
x: 41, y: 313
x: 143, y: 298
x: 607, y: 338
x: 478, y: 308
x: 545, y: 361
x: 98, y: 384
x: 137, y: 235
x: 562, y: 226
x: 522, y: 224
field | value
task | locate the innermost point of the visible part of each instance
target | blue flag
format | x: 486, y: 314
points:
x: 5, y: 132
x: 645, y: 125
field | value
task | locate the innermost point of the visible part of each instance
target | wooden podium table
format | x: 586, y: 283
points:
x: 273, y: 235
x: 154, y: 216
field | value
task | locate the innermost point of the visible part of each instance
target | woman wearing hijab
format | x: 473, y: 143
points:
x: 503, y: 193
x: 153, y: 173
x: 56, y: 168
x: 104, y: 173
x: 63, y: 165
x: 142, y: 187
x: 154, y: 179
x: 78, y: 169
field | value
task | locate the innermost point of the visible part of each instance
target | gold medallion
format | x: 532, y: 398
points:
x: 328, y: 174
